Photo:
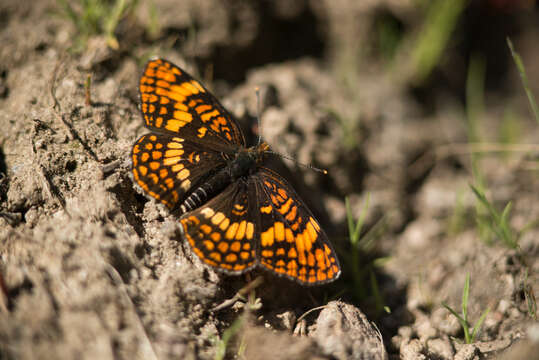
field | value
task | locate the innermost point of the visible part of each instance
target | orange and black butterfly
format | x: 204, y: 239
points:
x: 236, y: 214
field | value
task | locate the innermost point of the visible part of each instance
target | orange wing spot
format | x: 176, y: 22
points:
x: 215, y: 236
x: 320, y: 259
x: 246, y: 246
x: 310, y: 259
x: 163, y: 84
x: 151, y: 108
x: 224, y: 225
x: 231, y: 232
x: 180, y: 89
x: 149, y: 146
x: 231, y: 258
x: 185, y: 185
x: 159, y: 146
x: 227, y: 135
x: 302, y: 259
x: 315, y: 224
x: 135, y: 174
x: 144, y: 157
x: 154, y: 165
x: 321, y: 276
x: 173, y: 153
x: 209, y: 245
x: 174, y: 125
x: 164, y: 100
x: 267, y: 253
x: 222, y: 121
x: 153, y: 98
x: 289, y: 235
x: 143, y: 170
x: 291, y: 214
x: 300, y: 243
x: 207, y: 212
x: 244, y: 255
x: 207, y: 116
x: 183, y: 116
x: 241, y: 230
x: 206, y: 229
x: 170, y: 184
x: 235, y: 246
x: 239, y: 267
x: 279, y: 231
x: 215, y: 256
x: 184, y: 174
x: 282, y: 192
x: 197, y: 85
x: 280, y: 263
x: 292, y: 264
x: 202, y: 108
x: 274, y: 200
x: 181, y: 106
x: 266, y: 209
x: 163, y: 173
x: 177, y: 167
x: 222, y: 246
x: 156, y: 155
x: 190, y: 88
x: 267, y: 237
x: 202, y: 131
x: 174, y: 192
x: 312, y: 232
x: 307, y: 241
x: 174, y: 145
x: 249, y: 231
x: 217, y: 218
x: 284, y: 209
x: 158, y: 122
x: 172, y: 161
x: 279, y: 252
x: 176, y: 96
x: 292, y: 253
x: 155, y: 180
x: 163, y: 110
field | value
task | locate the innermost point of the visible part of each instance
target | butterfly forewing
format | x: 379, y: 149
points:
x: 169, y: 167
x: 172, y: 101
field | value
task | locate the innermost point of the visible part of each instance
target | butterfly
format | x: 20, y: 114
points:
x: 235, y: 213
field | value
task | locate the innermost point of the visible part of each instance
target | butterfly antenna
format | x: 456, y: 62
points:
x: 309, y: 166
x: 259, y: 130
x: 257, y: 91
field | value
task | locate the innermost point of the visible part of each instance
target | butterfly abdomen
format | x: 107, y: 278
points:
x: 236, y: 168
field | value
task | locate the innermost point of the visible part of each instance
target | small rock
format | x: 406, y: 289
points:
x: 344, y: 332
x: 413, y: 351
x: 441, y: 348
x: 467, y: 352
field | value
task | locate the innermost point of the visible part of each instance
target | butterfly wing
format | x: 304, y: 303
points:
x: 173, y: 102
x: 221, y: 232
x: 292, y: 243
x: 169, y: 167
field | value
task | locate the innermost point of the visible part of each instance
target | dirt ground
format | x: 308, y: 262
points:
x: 92, y: 269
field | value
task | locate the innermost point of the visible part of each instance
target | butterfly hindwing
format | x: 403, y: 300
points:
x: 172, y: 101
x: 222, y: 233
x: 292, y: 243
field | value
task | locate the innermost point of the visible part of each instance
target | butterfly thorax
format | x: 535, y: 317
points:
x: 243, y: 164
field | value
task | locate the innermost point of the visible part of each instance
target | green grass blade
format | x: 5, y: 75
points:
x: 465, y: 294
x: 524, y: 79
x: 478, y: 325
